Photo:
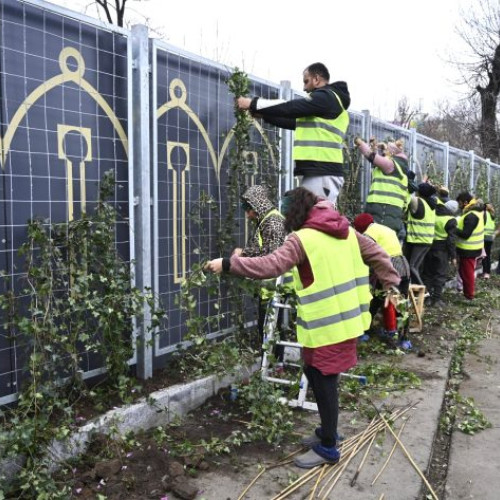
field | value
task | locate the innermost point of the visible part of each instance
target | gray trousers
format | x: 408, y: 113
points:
x: 326, y: 186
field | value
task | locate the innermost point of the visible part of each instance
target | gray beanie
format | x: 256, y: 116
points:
x: 452, y: 206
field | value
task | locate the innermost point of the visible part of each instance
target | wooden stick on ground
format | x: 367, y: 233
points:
x: 252, y: 483
x: 356, y: 474
x: 415, y: 466
x: 390, y: 454
x: 313, y: 491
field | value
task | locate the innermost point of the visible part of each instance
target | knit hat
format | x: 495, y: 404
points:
x: 452, y: 206
x: 426, y: 190
x: 362, y: 221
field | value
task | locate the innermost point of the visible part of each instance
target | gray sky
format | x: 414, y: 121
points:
x: 384, y: 50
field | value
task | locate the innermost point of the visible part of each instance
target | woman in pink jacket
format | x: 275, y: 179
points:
x: 324, y: 363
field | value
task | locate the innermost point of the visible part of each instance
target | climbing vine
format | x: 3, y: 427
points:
x: 77, y: 303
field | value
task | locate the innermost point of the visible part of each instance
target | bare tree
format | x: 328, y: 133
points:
x: 480, y: 31
x: 459, y: 124
x: 117, y: 7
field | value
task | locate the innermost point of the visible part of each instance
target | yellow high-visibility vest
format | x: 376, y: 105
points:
x: 335, y: 307
x: 321, y: 139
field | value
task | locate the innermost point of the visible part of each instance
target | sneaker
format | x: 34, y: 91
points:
x: 486, y: 276
x: 315, y: 438
x: 405, y: 345
x: 438, y: 304
x: 318, y: 455
x: 364, y: 338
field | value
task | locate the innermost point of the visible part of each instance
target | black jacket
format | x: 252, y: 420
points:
x: 321, y: 103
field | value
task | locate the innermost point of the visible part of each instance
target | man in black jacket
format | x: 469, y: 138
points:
x: 436, y: 262
x: 320, y: 121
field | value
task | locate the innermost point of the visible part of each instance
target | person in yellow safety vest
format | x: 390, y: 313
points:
x: 420, y: 221
x: 389, y: 193
x: 489, y: 236
x: 470, y: 240
x: 320, y: 121
x: 269, y: 234
x: 388, y: 240
x: 436, y: 262
x: 329, y: 261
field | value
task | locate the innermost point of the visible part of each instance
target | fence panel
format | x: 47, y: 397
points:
x: 194, y: 119
x: 64, y: 98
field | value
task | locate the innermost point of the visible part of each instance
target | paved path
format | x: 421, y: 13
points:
x: 474, y: 466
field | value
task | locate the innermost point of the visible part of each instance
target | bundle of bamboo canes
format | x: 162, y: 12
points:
x: 327, y: 476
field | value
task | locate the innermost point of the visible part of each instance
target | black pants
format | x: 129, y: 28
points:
x: 325, y: 390
x: 487, y: 260
x: 435, y: 271
x: 415, y: 254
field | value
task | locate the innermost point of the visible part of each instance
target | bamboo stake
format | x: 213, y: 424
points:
x: 415, y: 466
x: 346, y: 447
x: 352, y: 454
x: 382, y: 496
x: 356, y: 474
x: 251, y: 484
x: 298, y: 483
x: 390, y: 454
x: 313, y: 491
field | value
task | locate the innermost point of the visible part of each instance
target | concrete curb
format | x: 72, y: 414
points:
x: 159, y: 408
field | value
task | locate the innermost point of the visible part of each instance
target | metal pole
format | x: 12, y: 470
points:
x: 446, y: 166
x: 286, y: 140
x: 366, y: 133
x: 142, y: 191
x: 471, y: 178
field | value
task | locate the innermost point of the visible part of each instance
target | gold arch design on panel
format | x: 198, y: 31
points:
x: 180, y: 102
x: 67, y: 75
x: 176, y: 240
x: 229, y: 136
x: 62, y: 130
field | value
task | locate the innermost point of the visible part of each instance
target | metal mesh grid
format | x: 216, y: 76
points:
x: 459, y: 171
x: 195, y: 113
x: 63, y: 95
x: 430, y: 159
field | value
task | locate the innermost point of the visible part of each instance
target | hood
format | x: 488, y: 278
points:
x: 442, y: 209
x: 324, y: 218
x: 258, y: 198
x: 340, y: 88
x: 476, y: 205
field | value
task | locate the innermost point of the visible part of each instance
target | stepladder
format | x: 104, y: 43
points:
x: 278, y: 323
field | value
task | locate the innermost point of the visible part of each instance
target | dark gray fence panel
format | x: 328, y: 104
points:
x: 63, y: 113
x: 194, y: 115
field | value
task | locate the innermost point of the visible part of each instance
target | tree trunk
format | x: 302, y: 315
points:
x: 489, y: 99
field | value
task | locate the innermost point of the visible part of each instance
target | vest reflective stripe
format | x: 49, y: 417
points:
x: 421, y: 231
x: 476, y: 239
x: 386, y: 238
x: 387, y: 189
x: 321, y: 139
x: 489, y: 227
x: 335, y: 307
x: 334, y: 290
x: 324, y: 125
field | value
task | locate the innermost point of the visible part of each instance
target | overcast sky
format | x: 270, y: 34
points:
x: 384, y: 49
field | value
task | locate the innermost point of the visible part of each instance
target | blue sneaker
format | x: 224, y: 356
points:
x: 364, y: 338
x: 316, y: 438
x: 405, y: 345
x: 318, y: 455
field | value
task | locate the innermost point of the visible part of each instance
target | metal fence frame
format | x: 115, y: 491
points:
x: 426, y: 156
